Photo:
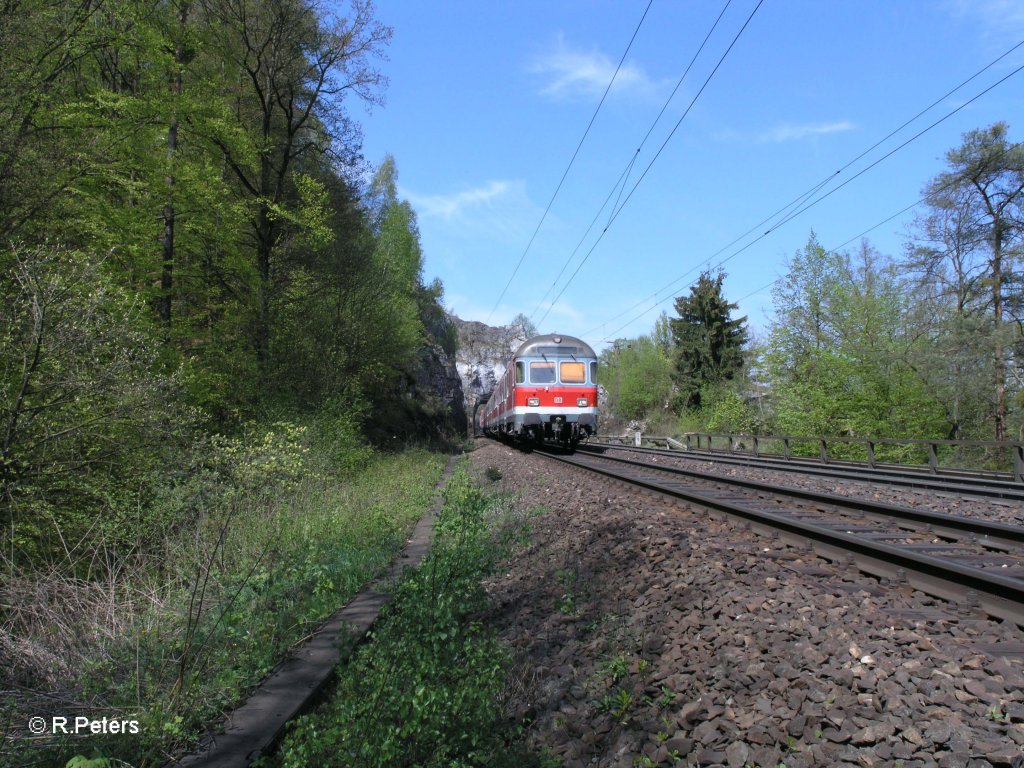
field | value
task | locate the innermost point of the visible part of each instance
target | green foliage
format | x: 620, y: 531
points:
x: 637, y: 374
x: 250, y: 576
x: 967, y: 257
x: 425, y: 691
x: 87, y: 405
x: 728, y: 413
x: 708, y: 342
x: 838, y: 363
x: 616, y: 703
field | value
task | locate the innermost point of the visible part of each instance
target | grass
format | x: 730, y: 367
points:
x: 272, y: 543
x: 428, y: 689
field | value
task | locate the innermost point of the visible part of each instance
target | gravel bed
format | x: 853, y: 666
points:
x: 649, y: 633
x: 1009, y: 512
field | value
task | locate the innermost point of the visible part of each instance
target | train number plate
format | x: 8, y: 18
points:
x: 558, y: 400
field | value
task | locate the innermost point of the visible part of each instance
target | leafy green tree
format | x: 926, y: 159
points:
x: 970, y: 244
x: 708, y: 341
x: 842, y: 349
x: 87, y: 409
x: 637, y: 374
x: 294, y: 66
x: 43, y: 46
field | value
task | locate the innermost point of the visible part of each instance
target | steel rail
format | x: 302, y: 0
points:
x: 970, y: 486
x: 957, y: 524
x: 972, y: 588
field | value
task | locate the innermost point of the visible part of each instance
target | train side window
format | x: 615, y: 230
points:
x: 593, y: 372
x: 573, y: 373
x: 542, y: 373
x: 520, y: 373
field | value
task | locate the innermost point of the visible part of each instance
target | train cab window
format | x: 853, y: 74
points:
x: 542, y: 373
x: 593, y: 373
x: 520, y: 373
x: 573, y: 373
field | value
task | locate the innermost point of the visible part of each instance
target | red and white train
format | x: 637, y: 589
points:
x: 547, y: 393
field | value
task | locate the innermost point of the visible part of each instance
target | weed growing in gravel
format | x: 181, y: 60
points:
x: 427, y: 690
x: 617, y: 704
x: 667, y: 697
x: 616, y: 667
x: 996, y: 714
x: 567, y: 604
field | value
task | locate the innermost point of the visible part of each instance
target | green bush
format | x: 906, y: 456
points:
x: 267, y: 549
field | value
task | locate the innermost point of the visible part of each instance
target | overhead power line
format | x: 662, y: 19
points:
x: 571, y: 161
x: 798, y: 201
x: 654, y: 159
x: 620, y: 183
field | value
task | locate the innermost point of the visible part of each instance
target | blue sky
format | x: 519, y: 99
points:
x: 488, y: 101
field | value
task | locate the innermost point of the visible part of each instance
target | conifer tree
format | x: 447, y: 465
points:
x: 708, y: 341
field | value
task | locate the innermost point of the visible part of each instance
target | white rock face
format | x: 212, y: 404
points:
x: 483, y: 352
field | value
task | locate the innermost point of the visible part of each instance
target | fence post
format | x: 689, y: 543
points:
x: 785, y: 448
x: 933, y: 459
x: 871, y: 454
x: 824, y: 450
x: 636, y: 439
x: 1018, y: 462
x: 757, y: 451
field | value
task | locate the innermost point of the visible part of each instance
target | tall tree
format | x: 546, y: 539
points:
x: 974, y: 233
x: 295, y: 65
x: 708, y: 341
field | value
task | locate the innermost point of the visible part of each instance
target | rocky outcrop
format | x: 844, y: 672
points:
x: 437, y: 388
x: 481, y: 356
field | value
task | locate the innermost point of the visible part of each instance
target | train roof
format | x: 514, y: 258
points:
x: 554, y: 345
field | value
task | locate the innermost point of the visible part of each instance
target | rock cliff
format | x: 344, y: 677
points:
x: 482, y: 353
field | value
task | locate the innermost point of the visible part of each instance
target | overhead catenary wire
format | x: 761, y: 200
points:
x: 571, y: 161
x: 610, y: 337
x: 620, y: 183
x: 801, y: 198
x: 654, y: 159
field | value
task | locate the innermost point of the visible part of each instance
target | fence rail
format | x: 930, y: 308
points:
x: 1000, y: 459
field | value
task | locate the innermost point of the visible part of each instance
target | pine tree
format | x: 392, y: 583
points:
x: 708, y: 341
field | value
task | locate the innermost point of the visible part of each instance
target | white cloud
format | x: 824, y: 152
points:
x: 495, y: 211
x: 573, y: 73
x: 796, y: 132
x: 454, y: 205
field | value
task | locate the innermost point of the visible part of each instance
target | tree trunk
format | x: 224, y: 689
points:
x: 164, y: 305
x: 999, y: 357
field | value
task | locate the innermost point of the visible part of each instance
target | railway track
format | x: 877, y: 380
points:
x: 976, y: 564
x: 962, y: 482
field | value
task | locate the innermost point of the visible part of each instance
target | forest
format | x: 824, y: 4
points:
x: 205, y: 292
x: 922, y: 344
x: 213, y: 316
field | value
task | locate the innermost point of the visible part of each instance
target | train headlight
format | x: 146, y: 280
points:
x: 582, y: 402
x: 533, y: 402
